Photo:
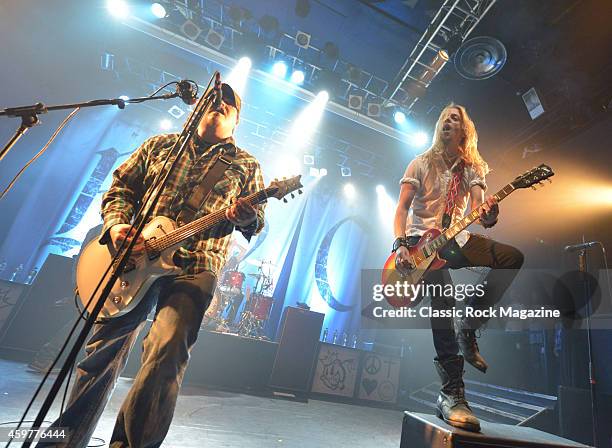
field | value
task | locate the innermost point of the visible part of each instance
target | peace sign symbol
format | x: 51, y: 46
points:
x: 372, y: 364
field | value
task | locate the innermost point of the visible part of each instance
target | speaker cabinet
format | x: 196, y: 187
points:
x: 295, y: 357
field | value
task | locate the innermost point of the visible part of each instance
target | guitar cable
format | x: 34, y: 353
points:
x: 140, y: 215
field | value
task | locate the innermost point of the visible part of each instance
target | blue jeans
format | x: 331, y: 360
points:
x: 146, y: 413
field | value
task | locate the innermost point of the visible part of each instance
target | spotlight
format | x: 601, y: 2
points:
x: 214, y: 39
x: 302, y: 39
x: 118, y: 8
x: 345, y: 171
x: 316, y: 172
x: 374, y: 110
x: 399, y: 117
x: 420, y: 139
x: 380, y: 189
x: 349, y: 191
x: 158, y: 10
x: 322, y: 96
x: 355, y: 102
x: 297, y: 77
x: 279, y: 69
x: 165, y: 124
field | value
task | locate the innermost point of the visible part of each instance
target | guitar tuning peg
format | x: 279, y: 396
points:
x: 533, y: 187
x: 285, y: 200
x: 292, y: 196
x: 549, y: 180
x: 300, y: 192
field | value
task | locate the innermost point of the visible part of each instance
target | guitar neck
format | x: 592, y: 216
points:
x: 463, y: 223
x: 201, y: 224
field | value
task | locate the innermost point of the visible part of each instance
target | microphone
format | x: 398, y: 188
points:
x: 186, y: 92
x: 581, y: 246
x: 217, y: 89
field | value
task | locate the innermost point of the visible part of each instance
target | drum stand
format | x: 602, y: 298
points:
x: 251, y: 327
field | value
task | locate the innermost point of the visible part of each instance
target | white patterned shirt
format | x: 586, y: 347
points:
x: 431, y: 181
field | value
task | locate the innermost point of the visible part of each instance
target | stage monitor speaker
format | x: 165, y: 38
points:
x: 42, y: 311
x: 297, y: 350
x: 428, y: 431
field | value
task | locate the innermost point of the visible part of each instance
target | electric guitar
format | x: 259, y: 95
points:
x: 424, y: 255
x: 162, y: 238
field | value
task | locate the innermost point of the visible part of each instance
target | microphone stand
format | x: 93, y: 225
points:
x: 122, y: 257
x: 29, y: 114
x: 583, y: 269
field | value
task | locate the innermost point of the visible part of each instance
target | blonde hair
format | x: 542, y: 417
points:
x: 469, y: 145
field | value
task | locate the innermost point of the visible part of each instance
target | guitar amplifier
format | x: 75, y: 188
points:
x: 295, y: 357
x: 428, y: 431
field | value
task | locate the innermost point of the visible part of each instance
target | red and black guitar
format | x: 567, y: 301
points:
x: 424, y: 255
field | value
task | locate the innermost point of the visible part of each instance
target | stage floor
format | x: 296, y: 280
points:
x: 211, y: 418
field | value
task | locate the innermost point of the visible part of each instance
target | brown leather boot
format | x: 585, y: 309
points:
x: 452, y: 406
x: 466, y: 339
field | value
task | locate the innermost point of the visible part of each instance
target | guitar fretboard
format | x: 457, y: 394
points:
x: 201, y: 224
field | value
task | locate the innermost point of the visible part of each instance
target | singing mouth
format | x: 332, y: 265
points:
x: 446, y: 127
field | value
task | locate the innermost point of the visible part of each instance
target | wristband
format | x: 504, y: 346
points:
x: 488, y: 225
x: 399, y: 241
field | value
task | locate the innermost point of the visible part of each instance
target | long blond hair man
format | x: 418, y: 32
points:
x: 438, y: 185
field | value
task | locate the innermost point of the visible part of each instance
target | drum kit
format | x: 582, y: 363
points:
x: 229, y: 296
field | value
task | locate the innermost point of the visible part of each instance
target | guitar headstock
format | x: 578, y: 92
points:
x: 280, y: 188
x: 533, y: 176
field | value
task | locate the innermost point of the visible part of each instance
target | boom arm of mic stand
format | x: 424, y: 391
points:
x: 187, y: 133
x: 29, y: 114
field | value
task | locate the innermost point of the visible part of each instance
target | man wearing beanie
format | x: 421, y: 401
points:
x: 179, y: 301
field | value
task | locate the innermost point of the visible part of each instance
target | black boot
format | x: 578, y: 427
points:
x: 452, y: 406
x: 466, y: 339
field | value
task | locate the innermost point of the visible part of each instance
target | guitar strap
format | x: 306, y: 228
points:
x: 200, y: 193
x: 452, y: 194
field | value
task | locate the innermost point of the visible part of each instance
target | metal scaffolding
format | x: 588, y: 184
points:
x: 456, y: 18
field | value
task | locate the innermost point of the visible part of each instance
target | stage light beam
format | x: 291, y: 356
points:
x: 306, y: 123
x: 420, y: 139
x: 165, y: 124
x: 239, y: 75
x: 349, y: 191
x: 386, y: 211
x: 118, y: 8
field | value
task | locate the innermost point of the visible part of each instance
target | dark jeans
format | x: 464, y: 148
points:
x: 504, y: 261
x: 146, y: 413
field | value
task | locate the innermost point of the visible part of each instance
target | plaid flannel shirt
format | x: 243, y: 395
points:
x: 133, y: 179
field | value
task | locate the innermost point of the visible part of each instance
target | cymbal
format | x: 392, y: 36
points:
x: 260, y: 263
